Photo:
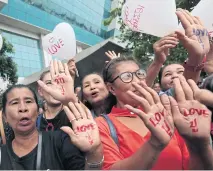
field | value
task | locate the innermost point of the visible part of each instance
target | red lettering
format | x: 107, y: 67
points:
x: 166, y: 127
x: 185, y: 113
x: 153, y: 122
x: 191, y: 111
x: 195, y: 130
x: 83, y: 128
x: 57, y: 81
x: 61, y: 42
x: 62, y: 90
x: 205, y: 113
x: 198, y: 111
x: 157, y: 117
x: 193, y: 123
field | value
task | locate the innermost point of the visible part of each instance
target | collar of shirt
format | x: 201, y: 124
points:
x: 122, y: 112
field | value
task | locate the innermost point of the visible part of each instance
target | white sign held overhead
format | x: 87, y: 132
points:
x: 61, y: 42
x: 155, y: 17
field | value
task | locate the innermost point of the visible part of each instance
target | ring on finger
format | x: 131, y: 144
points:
x: 62, y: 71
x: 80, y: 117
x: 73, y: 120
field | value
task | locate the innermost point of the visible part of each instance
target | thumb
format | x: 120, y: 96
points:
x: 181, y: 36
x: 43, y: 86
x: 68, y: 131
x: 193, y: 85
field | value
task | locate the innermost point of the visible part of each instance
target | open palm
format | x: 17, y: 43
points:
x: 195, y: 39
x: 155, y: 116
x: 192, y: 119
x: 84, y: 133
x: 63, y: 84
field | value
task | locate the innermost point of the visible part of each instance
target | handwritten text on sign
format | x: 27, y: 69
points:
x: 55, y: 45
x: 158, y: 119
x: 134, y: 21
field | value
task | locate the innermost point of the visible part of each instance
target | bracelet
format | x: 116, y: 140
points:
x: 96, y: 164
x: 199, y: 67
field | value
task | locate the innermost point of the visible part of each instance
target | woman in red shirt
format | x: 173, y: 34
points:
x: 149, y: 140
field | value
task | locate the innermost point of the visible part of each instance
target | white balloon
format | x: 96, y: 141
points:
x: 155, y: 17
x: 1, y: 42
x: 61, y: 42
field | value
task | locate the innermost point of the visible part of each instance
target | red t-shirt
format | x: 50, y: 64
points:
x: 174, y: 157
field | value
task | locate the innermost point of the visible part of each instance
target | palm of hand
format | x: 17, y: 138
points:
x: 160, y: 122
x: 191, y: 123
x: 198, y: 40
x: 86, y: 135
x: 64, y: 90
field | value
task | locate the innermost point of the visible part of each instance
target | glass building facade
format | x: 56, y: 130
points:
x: 85, y: 16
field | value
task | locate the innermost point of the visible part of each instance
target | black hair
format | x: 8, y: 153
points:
x: 160, y: 74
x: 4, y: 96
x: 110, y: 99
x: 109, y: 69
x: 43, y: 74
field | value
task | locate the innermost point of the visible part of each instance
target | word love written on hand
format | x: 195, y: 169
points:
x: 192, y: 113
x: 60, y: 80
x: 55, y: 46
x: 159, y: 120
x: 134, y: 22
x: 200, y: 33
x: 86, y: 128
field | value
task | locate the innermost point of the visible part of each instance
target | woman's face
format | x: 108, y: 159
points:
x: 21, y: 110
x: 169, y: 73
x: 119, y: 87
x: 94, y: 89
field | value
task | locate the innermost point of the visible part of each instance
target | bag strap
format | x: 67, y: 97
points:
x: 38, y: 121
x: 39, y: 150
x: 112, y: 129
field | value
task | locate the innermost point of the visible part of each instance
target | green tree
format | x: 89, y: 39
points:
x: 142, y: 44
x: 8, y: 68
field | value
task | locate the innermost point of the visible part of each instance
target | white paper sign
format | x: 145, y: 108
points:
x: 204, y: 10
x: 61, y: 42
x: 155, y: 17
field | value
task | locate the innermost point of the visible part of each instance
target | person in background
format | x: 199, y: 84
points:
x: 33, y: 150
x: 95, y: 94
x: 72, y: 69
x: 78, y: 92
x: 157, y: 87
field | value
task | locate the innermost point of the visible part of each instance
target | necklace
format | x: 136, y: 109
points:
x: 50, y: 126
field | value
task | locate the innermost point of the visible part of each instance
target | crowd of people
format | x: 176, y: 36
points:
x: 120, y: 119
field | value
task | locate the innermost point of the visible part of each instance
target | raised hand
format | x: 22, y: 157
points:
x: 192, y: 119
x: 112, y: 55
x: 156, y: 115
x: 195, y: 39
x: 84, y: 133
x: 63, y: 85
x: 162, y: 46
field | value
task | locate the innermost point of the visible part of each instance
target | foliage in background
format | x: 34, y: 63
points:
x: 141, y: 45
x: 8, y: 68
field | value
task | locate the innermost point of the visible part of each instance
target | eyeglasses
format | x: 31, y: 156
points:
x: 127, y: 77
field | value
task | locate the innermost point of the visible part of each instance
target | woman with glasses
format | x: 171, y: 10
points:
x: 144, y: 142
